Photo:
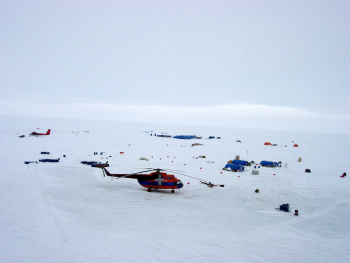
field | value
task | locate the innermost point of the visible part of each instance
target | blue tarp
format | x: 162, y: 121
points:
x: 89, y: 162
x: 185, y: 137
x: 240, y: 162
x: 234, y: 167
x: 49, y: 160
x: 269, y: 163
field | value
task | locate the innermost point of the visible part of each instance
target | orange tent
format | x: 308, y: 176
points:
x: 295, y: 145
x: 267, y: 143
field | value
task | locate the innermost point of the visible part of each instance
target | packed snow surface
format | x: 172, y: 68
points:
x: 70, y: 212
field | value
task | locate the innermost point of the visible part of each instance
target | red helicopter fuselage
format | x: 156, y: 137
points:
x: 154, y: 180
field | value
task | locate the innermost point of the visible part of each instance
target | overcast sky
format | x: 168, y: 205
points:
x: 206, y: 62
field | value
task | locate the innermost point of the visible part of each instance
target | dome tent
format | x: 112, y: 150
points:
x: 234, y: 167
x: 240, y: 162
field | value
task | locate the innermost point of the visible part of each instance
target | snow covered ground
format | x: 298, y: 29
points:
x: 69, y: 212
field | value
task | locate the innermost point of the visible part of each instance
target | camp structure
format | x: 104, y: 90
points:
x: 295, y: 145
x: 164, y: 135
x: 185, y: 137
x: 213, y: 137
x: 269, y: 164
x: 267, y: 143
x: 240, y: 162
x: 234, y: 167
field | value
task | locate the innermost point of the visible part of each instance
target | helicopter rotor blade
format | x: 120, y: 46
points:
x: 165, y: 170
x: 153, y: 169
x: 158, y: 170
x: 127, y: 175
x: 177, y: 172
x: 174, y: 171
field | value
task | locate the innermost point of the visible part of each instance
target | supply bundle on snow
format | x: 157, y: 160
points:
x: 89, y: 162
x: 49, y: 160
x: 269, y: 164
x: 100, y: 165
x: 28, y: 162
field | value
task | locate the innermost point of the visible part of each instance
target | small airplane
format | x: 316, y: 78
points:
x: 40, y: 134
x: 151, y: 179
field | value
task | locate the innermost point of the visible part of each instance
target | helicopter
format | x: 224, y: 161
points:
x: 151, y: 179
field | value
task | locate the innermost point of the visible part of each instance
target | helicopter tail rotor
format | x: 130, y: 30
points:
x: 104, y: 169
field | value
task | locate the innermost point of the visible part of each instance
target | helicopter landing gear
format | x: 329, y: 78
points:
x: 149, y: 190
x: 172, y: 191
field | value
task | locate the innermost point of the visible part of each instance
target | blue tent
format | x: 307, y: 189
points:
x: 185, y: 137
x: 269, y: 164
x: 240, y: 162
x: 234, y: 167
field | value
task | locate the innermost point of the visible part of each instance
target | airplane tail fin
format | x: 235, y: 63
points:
x: 48, y: 132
